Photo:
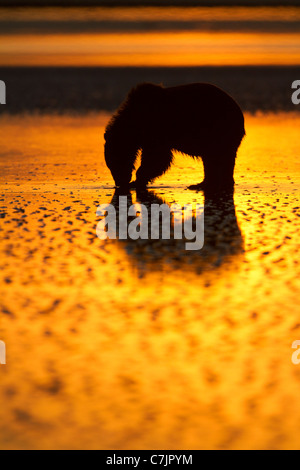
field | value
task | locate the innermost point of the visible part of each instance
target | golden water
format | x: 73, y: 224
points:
x: 150, y: 36
x: 113, y: 348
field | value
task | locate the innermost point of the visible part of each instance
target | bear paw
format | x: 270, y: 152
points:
x: 197, y: 187
x: 137, y: 185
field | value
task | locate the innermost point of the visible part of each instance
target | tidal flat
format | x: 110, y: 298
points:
x: 115, y: 344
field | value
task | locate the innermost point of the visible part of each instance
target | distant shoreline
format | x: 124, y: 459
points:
x: 88, y: 89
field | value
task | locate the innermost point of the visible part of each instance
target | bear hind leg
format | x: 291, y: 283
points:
x: 218, y: 173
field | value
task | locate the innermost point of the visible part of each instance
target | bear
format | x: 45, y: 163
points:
x: 197, y: 119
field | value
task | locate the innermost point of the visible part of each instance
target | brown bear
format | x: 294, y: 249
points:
x: 198, y: 119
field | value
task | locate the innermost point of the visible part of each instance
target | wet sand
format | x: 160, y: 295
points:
x: 110, y: 346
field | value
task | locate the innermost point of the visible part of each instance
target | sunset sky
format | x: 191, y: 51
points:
x: 150, y: 36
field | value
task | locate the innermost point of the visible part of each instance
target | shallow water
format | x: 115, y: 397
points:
x: 117, y: 345
x: 150, y: 36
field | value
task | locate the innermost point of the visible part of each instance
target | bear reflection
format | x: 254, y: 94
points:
x: 222, y: 236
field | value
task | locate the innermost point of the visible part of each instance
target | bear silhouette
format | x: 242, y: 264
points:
x: 198, y: 119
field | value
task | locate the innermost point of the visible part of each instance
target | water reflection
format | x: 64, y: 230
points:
x: 149, y: 36
x: 222, y: 235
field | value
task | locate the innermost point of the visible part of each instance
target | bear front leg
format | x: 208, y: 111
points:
x: 155, y: 162
x: 200, y: 186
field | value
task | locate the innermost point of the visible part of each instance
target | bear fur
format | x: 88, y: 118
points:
x: 198, y: 119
